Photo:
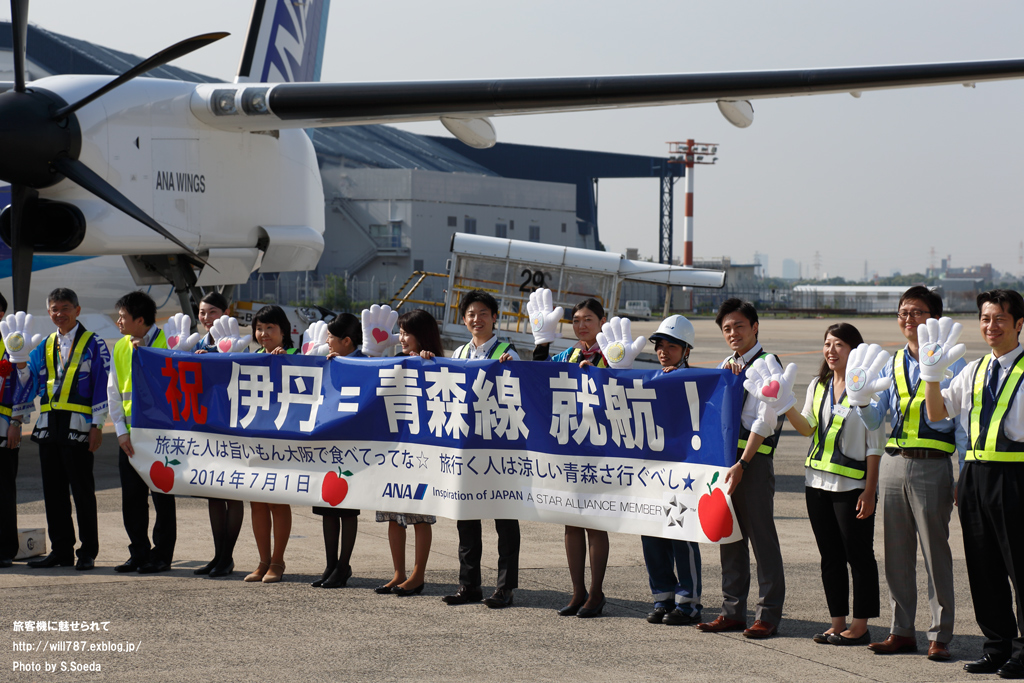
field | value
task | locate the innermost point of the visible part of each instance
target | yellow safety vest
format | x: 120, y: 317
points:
x: 989, y: 442
x: 911, y: 430
x: 574, y: 357
x: 770, y: 443
x: 824, y: 454
x: 6, y: 410
x: 123, y: 365
x: 68, y: 381
x: 496, y: 352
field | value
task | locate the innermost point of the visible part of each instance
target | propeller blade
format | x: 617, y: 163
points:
x: 19, y: 27
x: 78, y: 172
x: 21, y: 247
x: 159, y: 59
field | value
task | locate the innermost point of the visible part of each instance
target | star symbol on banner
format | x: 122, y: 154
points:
x: 688, y: 481
x: 423, y: 460
x: 674, y: 510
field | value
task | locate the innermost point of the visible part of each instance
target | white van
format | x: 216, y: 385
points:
x: 637, y: 308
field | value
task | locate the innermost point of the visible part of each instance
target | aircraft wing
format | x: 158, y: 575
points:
x: 306, y: 105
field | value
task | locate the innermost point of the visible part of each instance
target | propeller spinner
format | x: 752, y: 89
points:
x: 40, y: 140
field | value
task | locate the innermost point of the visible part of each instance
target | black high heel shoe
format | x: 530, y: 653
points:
x: 206, y: 568
x: 222, y: 569
x: 384, y: 590
x: 323, y: 577
x: 403, y: 592
x: 570, y: 610
x: 338, y: 578
x: 585, y: 613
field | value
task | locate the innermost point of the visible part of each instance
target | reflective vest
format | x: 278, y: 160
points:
x: 770, y: 443
x: 62, y: 393
x: 912, y: 430
x: 988, y: 442
x: 499, y: 348
x: 5, y: 410
x: 288, y: 352
x: 123, y: 364
x: 576, y: 357
x: 824, y: 454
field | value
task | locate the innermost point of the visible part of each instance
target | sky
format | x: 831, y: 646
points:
x: 893, y: 181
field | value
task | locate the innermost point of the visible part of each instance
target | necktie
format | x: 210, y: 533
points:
x: 989, y: 398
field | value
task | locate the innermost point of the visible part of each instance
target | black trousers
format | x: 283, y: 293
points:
x: 8, y: 503
x: 135, y: 512
x: 471, y: 548
x: 990, y: 501
x: 843, y: 539
x: 69, y: 466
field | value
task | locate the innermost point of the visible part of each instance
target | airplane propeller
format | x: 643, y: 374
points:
x: 40, y: 140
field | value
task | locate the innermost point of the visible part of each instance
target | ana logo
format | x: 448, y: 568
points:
x: 615, y: 352
x: 162, y: 474
x: 15, y: 342
x: 335, y: 487
x: 404, y: 491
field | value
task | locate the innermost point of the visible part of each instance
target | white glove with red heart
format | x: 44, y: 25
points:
x: 16, y: 331
x: 544, y: 316
x: 767, y: 381
x: 176, y: 333
x: 938, y: 348
x: 227, y: 335
x: 378, y: 321
x: 314, y: 340
x: 862, y: 368
x: 617, y: 343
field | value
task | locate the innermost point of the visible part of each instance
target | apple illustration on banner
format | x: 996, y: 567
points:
x: 713, y: 513
x: 335, y: 487
x: 163, y: 475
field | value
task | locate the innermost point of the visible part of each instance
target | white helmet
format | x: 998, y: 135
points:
x: 675, y: 329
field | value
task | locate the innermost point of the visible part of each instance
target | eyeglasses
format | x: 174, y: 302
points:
x: 915, y: 313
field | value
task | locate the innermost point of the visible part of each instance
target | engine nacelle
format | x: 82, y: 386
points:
x: 55, y: 227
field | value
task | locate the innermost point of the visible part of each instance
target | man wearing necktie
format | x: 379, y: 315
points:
x: 69, y: 374
x: 986, y: 398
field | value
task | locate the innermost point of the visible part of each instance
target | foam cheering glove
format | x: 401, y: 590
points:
x: 938, y: 348
x: 176, y: 333
x: 544, y: 316
x: 617, y: 343
x: 767, y: 381
x: 862, y: 368
x: 314, y: 340
x: 17, y: 336
x: 378, y: 321
x: 227, y: 335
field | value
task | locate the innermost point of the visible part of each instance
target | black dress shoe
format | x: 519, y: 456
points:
x: 677, y: 617
x: 840, y: 639
x: 52, y: 560
x: 5, y: 563
x: 591, y: 612
x: 206, y: 568
x: 570, y: 610
x: 657, y: 616
x: 84, y: 564
x: 154, y: 567
x: 222, y: 570
x: 338, y: 578
x: 404, y: 592
x: 502, y: 597
x: 1012, y: 669
x: 383, y: 590
x: 464, y: 596
x: 129, y: 566
x: 989, y: 664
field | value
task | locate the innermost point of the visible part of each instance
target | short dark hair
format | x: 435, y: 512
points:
x: 62, y: 294
x: 1004, y: 298
x: 736, y: 305
x: 347, y: 325
x: 275, y: 315
x: 3, y: 303
x: 217, y: 300
x: 481, y: 296
x: 422, y: 325
x: 846, y: 333
x: 932, y: 300
x: 138, y: 305
x: 590, y: 304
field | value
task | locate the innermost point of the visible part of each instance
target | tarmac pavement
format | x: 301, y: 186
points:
x: 190, y: 628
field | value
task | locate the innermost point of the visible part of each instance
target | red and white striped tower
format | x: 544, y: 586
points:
x: 692, y: 154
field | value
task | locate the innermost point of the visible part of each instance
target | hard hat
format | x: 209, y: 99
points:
x: 675, y: 329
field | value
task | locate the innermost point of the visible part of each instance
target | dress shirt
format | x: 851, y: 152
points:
x: 114, y: 388
x: 959, y: 397
x: 856, y: 442
x: 748, y: 416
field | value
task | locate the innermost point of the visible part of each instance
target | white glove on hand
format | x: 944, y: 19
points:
x: 378, y: 322
x: 862, y: 368
x: 543, y: 317
x: 766, y: 415
x: 15, y: 330
x: 227, y: 335
x: 938, y: 348
x: 617, y: 343
x: 766, y: 381
x: 176, y: 333
x: 314, y: 340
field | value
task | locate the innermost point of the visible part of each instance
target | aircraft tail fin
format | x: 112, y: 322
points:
x: 285, y: 43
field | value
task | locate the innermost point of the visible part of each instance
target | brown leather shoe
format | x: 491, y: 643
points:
x: 938, y: 652
x: 721, y: 623
x: 894, y: 644
x: 760, y: 629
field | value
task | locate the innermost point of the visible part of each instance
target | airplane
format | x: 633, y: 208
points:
x: 227, y: 180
